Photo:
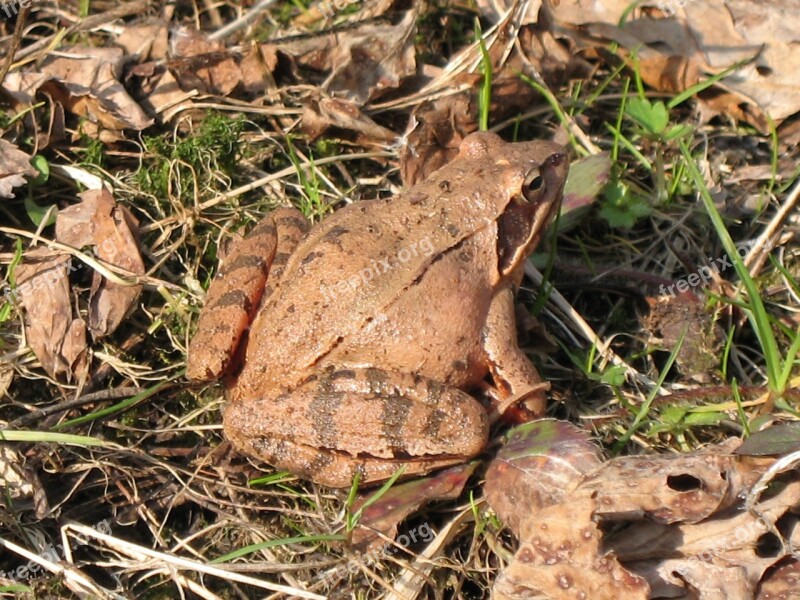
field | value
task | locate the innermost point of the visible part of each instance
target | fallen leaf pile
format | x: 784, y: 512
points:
x: 679, y: 43
x: 55, y: 330
x: 675, y: 526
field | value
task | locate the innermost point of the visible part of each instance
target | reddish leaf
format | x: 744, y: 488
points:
x: 403, y: 499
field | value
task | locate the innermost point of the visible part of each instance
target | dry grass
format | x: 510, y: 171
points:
x: 164, y: 494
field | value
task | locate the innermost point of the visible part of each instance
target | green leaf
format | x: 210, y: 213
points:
x: 653, y: 118
x: 673, y: 415
x: 42, y: 167
x: 621, y: 208
x: 38, y: 214
x: 698, y: 419
x: 678, y: 131
x: 614, y: 376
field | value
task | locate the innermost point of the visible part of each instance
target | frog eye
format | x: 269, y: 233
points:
x: 532, y: 185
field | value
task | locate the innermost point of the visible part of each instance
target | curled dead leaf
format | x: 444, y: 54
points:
x: 202, y: 64
x: 84, y: 80
x: 14, y: 165
x: 361, y: 63
x: 321, y: 114
x: 98, y: 221
x: 56, y: 337
x: 671, y: 526
x: 403, y: 499
x: 539, y: 463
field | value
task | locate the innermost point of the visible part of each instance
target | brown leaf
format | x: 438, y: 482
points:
x: 166, y: 98
x: 685, y: 314
x: 560, y: 557
x: 321, y: 114
x: 100, y: 222
x: 728, y: 553
x: 536, y: 467
x: 257, y: 66
x: 363, y: 62
x: 90, y: 80
x: 667, y: 489
x: 435, y: 131
x: 57, y: 339
x: 376, y: 61
x: 781, y: 583
x: 680, y: 525
x: 145, y: 41
x: 678, y: 43
x: 206, y: 64
x: 14, y: 164
x: 437, y: 127
x: 404, y: 499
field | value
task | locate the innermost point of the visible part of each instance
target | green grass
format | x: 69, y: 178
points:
x: 193, y: 164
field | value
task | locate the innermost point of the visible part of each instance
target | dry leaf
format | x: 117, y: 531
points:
x: 434, y: 133
x: 100, y: 222
x: 681, y: 42
x: 90, y: 79
x: 14, y: 164
x: 57, y: 339
x: 537, y: 465
x: 781, y: 583
x: 206, y: 65
x: 697, y: 555
x: 321, y: 114
x: 166, y: 98
x: 684, y: 314
x: 374, y: 60
x: 257, y: 66
x: 145, y: 41
x: 560, y: 556
x: 84, y: 80
x: 20, y: 482
x: 404, y: 499
x: 361, y: 63
x: 437, y: 127
x: 680, y: 529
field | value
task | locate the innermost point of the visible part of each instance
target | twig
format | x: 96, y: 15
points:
x: 757, y: 256
x: 15, y: 42
x: 137, y: 7
x: 242, y: 21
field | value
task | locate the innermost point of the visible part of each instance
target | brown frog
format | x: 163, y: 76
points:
x: 355, y: 342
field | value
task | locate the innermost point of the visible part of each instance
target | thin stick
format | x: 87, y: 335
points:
x: 242, y: 21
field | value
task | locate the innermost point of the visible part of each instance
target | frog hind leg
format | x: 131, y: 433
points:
x: 238, y: 289
x: 364, y: 420
x: 514, y: 376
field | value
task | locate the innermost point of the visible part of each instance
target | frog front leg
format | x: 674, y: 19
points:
x: 514, y: 376
x: 364, y: 420
x: 238, y: 289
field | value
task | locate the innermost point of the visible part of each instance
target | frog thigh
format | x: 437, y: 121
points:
x: 238, y: 289
x: 360, y: 420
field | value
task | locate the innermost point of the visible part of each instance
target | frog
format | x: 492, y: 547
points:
x: 363, y: 346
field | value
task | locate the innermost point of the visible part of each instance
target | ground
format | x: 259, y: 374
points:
x: 672, y: 267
